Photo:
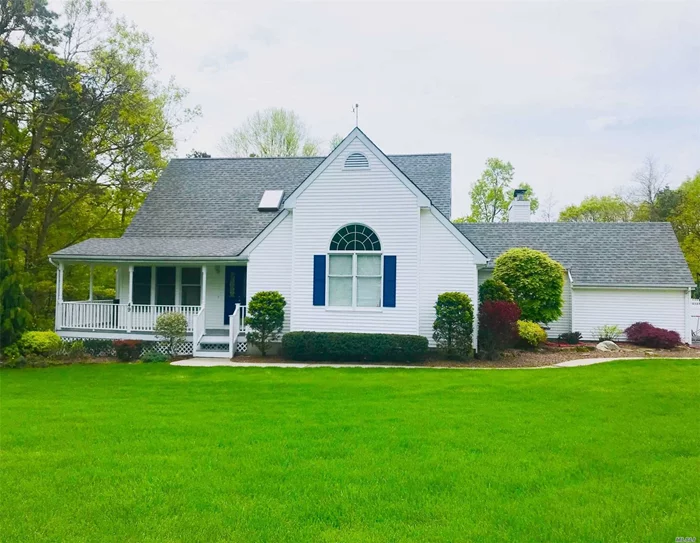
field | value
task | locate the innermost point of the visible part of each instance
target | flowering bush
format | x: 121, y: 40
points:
x: 531, y: 333
x: 648, y: 335
x: 497, y: 327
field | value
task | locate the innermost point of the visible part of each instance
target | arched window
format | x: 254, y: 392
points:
x: 355, y: 268
x: 355, y: 237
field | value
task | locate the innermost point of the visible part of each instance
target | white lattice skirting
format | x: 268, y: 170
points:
x: 157, y: 346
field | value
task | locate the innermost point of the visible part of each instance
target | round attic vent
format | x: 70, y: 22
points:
x: 356, y: 160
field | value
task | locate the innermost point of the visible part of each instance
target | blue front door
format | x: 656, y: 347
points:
x: 235, y: 289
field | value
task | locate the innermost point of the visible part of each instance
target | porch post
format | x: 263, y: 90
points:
x: 203, y: 295
x: 131, y: 298
x: 153, y: 285
x: 178, y: 286
x: 59, y: 297
x: 91, y: 270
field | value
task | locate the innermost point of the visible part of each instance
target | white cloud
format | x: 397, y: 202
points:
x: 574, y: 95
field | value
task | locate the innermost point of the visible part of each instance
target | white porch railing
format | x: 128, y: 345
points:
x: 236, y: 325
x: 120, y: 317
x: 199, y: 326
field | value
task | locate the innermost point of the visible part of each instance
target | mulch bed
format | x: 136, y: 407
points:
x: 548, y: 355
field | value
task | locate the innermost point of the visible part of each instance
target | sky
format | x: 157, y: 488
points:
x: 574, y: 95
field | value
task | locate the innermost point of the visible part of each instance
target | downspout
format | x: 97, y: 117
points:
x: 571, y: 288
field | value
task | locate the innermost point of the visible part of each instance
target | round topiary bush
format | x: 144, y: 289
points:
x: 537, y: 283
x: 41, y: 343
x: 453, y: 328
x: 265, y: 318
x: 531, y: 334
x: 493, y: 290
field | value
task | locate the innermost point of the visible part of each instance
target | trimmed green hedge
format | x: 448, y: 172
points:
x: 347, y: 347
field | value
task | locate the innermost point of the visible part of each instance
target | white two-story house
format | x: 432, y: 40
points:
x: 357, y: 241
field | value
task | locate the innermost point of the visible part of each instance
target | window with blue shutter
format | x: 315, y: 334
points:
x: 319, y: 279
x: 389, y: 281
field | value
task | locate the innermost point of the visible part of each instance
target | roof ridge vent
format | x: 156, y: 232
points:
x: 356, y: 161
x: 271, y: 200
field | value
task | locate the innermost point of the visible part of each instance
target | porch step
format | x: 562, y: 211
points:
x: 209, y: 354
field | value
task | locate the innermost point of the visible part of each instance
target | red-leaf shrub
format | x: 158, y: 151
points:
x: 498, y: 327
x: 127, y: 350
x: 648, y: 335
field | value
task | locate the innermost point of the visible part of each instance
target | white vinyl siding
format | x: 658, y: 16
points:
x: 270, y: 266
x: 561, y: 325
x: 664, y: 308
x: 445, y: 266
x: 376, y: 198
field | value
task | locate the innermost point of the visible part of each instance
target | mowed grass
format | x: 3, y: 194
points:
x: 158, y: 453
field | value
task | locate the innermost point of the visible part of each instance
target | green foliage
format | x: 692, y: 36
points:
x: 265, y: 318
x: 74, y: 350
x: 492, y: 194
x: 11, y: 352
x: 154, y: 356
x: 85, y: 129
x: 99, y: 347
x: 598, y: 209
x: 172, y: 329
x: 453, y: 327
x: 15, y: 316
x: 537, y: 283
x: 127, y: 350
x: 348, y: 347
x: 493, y: 290
x: 572, y: 338
x: 41, y: 343
x: 531, y: 333
x: 270, y: 133
x: 607, y: 332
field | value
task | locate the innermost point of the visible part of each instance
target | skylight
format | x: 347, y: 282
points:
x: 271, y: 200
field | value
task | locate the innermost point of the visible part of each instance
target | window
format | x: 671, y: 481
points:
x: 191, y: 286
x: 165, y: 286
x: 142, y: 285
x: 355, y: 268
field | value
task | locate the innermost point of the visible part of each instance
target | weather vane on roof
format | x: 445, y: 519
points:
x: 356, y: 111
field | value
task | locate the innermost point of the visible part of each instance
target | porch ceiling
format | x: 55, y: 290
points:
x: 155, y: 248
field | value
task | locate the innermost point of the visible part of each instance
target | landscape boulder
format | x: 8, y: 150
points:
x: 607, y: 346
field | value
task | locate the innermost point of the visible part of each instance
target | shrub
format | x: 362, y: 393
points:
x: 154, y: 356
x: 531, y: 334
x: 536, y: 281
x: 265, y: 318
x: 648, y: 335
x: 454, y: 324
x: 41, y: 343
x: 99, y: 347
x: 607, y: 332
x: 349, y: 347
x: 11, y: 353
x: 493, y: 290
x: 572, y: 338
x: 497, y: 327
x: 172, y: 328
x: 127, y: 350
x: 75, y: 350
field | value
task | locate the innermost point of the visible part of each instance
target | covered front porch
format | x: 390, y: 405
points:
x: 212, y: 297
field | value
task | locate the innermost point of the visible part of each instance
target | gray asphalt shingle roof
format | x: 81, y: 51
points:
x: 209, y: 207
x: 595, y: 253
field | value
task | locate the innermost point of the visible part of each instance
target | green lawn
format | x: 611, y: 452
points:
x: 157, y: 453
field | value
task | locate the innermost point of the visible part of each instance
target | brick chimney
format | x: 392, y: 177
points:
x: 519, y: 210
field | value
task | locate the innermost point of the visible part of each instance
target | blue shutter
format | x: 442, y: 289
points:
x: 389, y: 281
x: 319, y: 279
